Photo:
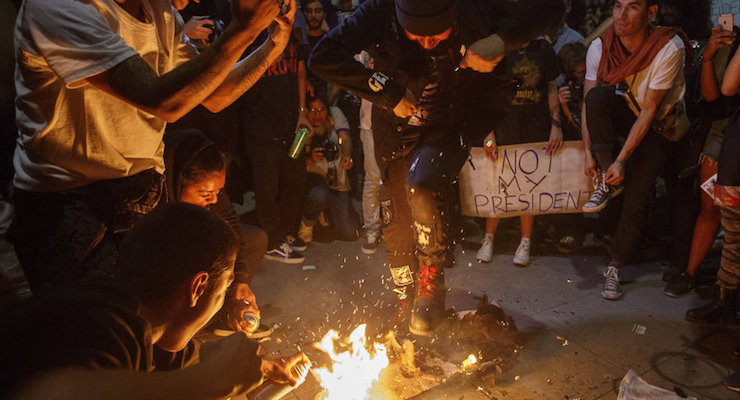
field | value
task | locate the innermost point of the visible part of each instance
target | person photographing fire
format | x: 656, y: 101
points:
x: 417, y: 46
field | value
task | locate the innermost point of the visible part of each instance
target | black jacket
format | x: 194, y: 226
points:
x: 374, y: 28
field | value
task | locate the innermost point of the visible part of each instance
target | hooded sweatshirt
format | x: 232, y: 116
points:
x: 181, y: 147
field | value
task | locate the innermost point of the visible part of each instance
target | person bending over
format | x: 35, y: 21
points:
x: 106, y: 339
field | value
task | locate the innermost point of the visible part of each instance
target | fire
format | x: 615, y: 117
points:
x: 354, y: 370
x: 469, y: 361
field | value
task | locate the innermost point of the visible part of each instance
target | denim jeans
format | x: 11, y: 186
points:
x: 371, y: 189
x: 335, y: 204
x: 61, y: 238
x: 609, y: 118
x: 416, y: 197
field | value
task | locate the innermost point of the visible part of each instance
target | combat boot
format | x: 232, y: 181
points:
x: 429, y: 304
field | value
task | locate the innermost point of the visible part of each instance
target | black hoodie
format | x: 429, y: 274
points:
x: 180, y: 148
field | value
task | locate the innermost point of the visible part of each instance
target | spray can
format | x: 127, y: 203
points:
x: 277, y: 391
x: 301, y: 135
x: 252, y: 320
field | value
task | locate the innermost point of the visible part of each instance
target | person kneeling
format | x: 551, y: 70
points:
x: 327, y: 184
x: 103, y: 339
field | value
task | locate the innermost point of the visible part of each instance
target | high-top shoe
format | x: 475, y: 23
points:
x: 602, y: 193
x: 429, y: 304
x: 719, y: 312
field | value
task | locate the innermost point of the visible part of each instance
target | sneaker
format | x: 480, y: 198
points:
x: 284, y: 254
x: 683, y: 285
x: 485, y: 253
x: 601, y: 195
x: 305, y: 233
x: 611, y: 289
x: 429, y: 304
x: 296, y: 243
x: 370, y: 244
x: 567, y: 244
x: 521, y: 256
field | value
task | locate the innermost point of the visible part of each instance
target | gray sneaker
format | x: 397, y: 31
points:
x: 370, y: 245
x: 611, y: 289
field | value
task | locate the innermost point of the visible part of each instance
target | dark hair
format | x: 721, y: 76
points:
x: 540, y: 8
x: 571, y: 55
x: 327, y: 6
x: 207, y: 161
x: 695, y: 16
x: 171, y: 245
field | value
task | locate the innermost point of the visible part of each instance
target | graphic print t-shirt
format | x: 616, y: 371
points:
x: 532, y: 68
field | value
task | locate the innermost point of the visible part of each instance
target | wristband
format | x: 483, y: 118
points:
x: 557, y: 123
x: 301, y: 109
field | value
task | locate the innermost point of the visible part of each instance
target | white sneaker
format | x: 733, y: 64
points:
x: 485, y: 253
x: 521, y: 256
x: 611, y: 289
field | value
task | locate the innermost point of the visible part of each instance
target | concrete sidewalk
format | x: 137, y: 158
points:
x: 576, y: 344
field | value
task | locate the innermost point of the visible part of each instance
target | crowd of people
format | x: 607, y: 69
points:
x: 140, y: 120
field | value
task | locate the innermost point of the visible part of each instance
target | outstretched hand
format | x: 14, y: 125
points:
x: 254, y: 15
x: 282, y: 26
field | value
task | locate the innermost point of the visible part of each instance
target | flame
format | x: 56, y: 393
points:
x: 469, y: 361
x: 354, y: 370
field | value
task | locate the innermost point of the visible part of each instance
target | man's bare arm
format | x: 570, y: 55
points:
x: 653, y: 99
x: 173, y: 94
x: 249, y: 70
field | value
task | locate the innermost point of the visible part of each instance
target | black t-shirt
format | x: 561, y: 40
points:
x: 533, y: 68
x: 93, y: 326
x: 319, y: 85
x: 271, y: 105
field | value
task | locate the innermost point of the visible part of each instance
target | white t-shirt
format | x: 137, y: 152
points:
x: 71, y: 133
x: 322, y: 167
x: 664, y: 73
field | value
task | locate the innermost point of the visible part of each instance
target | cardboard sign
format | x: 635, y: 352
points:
x: 525, y: 180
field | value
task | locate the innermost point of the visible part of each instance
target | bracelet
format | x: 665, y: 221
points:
x: 301, y: 109
x: 557, y: 123
x: 705, y: 60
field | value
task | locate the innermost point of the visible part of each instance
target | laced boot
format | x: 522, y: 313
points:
x: 719, y: 312
x: 429, y: 304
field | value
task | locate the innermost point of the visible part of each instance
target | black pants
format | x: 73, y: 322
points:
x: 609, y: 118
x: 61, y: 238
x: 415, y: 199
x: 279, y: 187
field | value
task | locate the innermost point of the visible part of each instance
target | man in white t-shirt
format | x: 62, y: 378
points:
x: 634, y: 79
x: 97, y: 82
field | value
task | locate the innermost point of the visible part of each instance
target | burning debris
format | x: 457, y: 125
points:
x: 473, y: 348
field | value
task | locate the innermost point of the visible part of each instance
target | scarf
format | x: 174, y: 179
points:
x: 617, y: 63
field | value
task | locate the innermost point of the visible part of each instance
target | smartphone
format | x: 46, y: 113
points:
x: 726, y: 21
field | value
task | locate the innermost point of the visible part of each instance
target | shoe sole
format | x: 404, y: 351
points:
x: 484, y: 261
x: 734, y: 389
x: 603, y: 205
x: 299, y: 248
x: 368, y: 251
x: 520, y: 263
x: 611, y: 297
x: 676, y: 295
x: 285, y: 260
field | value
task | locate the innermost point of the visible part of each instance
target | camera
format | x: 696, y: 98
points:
x: 216, y: 29
x: 331, y: 151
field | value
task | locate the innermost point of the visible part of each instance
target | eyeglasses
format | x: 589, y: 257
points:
x: 316, y: 110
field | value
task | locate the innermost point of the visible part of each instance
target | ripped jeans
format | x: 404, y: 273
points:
x: 416, y: 197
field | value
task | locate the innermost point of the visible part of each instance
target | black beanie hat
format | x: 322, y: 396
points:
x: 426, y: 17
